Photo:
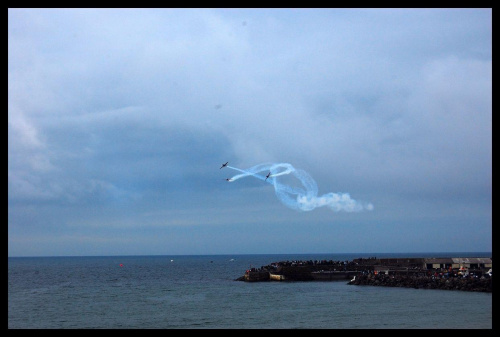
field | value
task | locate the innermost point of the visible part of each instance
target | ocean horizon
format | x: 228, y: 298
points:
x: 380, y: 254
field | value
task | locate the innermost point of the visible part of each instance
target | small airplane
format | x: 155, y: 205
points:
x: 229, y: 179
x: 267, y: 176
x: 224, y: 165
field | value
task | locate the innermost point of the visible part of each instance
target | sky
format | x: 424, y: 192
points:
x: 376, y: 125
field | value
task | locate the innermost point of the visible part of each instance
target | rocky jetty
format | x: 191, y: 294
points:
x: 426, y: 282
x: 465, y: 274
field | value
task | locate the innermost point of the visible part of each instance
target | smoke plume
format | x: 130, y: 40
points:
x: 301, y: 197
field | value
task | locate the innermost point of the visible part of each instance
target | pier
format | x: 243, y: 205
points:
x: 467, y: 274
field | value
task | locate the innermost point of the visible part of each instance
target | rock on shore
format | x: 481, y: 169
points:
x: 426, y: 282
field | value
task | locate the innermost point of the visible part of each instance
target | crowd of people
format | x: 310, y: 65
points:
x: 367, y: 266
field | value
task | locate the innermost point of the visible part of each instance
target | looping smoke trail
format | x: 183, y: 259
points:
x: 297, y: 198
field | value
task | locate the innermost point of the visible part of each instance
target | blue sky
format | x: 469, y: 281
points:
x: 119, y: 121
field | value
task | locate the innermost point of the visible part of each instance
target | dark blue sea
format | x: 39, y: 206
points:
x: 200, y: 292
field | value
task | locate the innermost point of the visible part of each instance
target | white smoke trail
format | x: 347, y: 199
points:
x: 297, y: 198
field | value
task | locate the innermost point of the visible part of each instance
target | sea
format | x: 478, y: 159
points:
x: 201, y: 292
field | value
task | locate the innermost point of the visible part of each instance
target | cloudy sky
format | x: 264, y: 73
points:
x: 120, y: 119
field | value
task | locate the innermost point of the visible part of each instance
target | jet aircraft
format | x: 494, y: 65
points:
x: 224, y: 165
x: 267, y: 176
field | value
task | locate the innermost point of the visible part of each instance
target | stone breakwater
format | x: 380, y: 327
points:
x: 465, y: 274
x: 426, y: 282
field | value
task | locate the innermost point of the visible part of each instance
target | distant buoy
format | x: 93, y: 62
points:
x: 121, y: 264
x: 171, y: 260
